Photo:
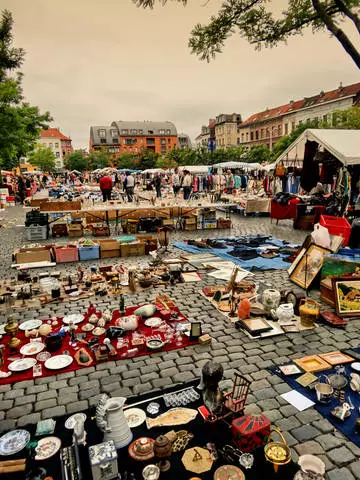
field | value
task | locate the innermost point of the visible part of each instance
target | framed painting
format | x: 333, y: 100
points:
x: 309, y: 266
x: 347, y: 296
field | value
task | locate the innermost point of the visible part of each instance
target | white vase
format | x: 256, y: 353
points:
x: 111, y: 420
x: 271, y: 299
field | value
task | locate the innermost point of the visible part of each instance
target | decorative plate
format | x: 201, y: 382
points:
x: 14, y: 441
x: 70, y: 422
x: 74, y: 318
x: 142, y: 449
x: 21, y: 364
x: 47, y: 447
x: 134, y: 417
x: 58, y: 362
x: 30, y: 325
x: 98, y: 331
x: 356, y: 366
x: 32, y: 348
x: 43, y: 356
x: 87, y: 327
x: 153, y: 322
x: 229, y: 471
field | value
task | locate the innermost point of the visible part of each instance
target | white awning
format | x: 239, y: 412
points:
x: 342, y: 144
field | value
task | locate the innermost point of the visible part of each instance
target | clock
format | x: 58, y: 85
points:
x: 295, y: 298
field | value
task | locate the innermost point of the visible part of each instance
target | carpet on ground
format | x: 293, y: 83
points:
x: 256, y: 263
x: 129, y: 341
x: 218, y: 433
x: 347, y: 427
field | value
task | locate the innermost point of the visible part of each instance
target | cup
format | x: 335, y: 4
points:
x: 324, y: 392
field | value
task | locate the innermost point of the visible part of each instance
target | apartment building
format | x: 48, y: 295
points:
x: 184, y: 141
x: 268, y: 126
x: 133, y: 137
x: 227, y: 130
x: 206, y: 139
x: 59, y: 143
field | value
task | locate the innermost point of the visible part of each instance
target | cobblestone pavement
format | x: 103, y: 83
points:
x: 306, y: 432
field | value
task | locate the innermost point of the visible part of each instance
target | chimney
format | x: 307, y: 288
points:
x: 340, y: 87
x: 322, y: 93
x: 291, y: 103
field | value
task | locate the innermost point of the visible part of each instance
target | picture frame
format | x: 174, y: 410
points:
x: 255, y: 325
x: 195, y: 330
x: 308, y: 266
x: 347, y: 296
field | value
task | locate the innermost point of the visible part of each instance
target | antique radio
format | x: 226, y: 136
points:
x: 250, y: 431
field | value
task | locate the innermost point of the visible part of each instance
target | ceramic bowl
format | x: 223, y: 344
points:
x: 155, y: 344
x: 311, y: 463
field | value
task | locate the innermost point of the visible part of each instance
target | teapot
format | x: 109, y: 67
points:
x: 284, y: 313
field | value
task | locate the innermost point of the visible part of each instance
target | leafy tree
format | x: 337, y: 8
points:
x: 147, y: 159
x: 98, y: 159
x: 20, y: 123
x: 259, y: 154
x: 349, y: 118
x: 281, y: 145
x: 254, y: 20
x: 76, y: 161
x: 43, y: 158
x: 128, y: 160
x: 165, y: 162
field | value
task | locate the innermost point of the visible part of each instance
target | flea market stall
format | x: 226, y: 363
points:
x: 317, y: 175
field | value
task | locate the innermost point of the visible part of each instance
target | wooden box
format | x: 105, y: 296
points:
x: 132, y: 249
x: 34, y: 255
x: 76, y: 230
x: 109, y: 248
x: 326, y: 292
x: 190, y: 227
x: 250, y: 431
x: 190, y: 220
x: 103, y: 461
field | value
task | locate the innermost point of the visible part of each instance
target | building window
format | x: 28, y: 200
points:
x: 56, y: 145
x: 242, y: 138
x: 115, y: 140
x: 113, y: 133
x: 140, y: 132
x: 150, y: 141
x: 169, y: 140
x: 280, y: 130
x: 151, y: 132
x: 102, y: 140
x: 163, y: 149
x: 238, y: 140
x: 163, y: 141
x: 133, y: 131
x: 308, y: 120
x: 168, y: 132
x: 300, y: 122
x: 162, y: 131
x: 102, y: 133
x: 228, y: 130
x: 130, y: 141
x: 325, y: 118
x: 251, y: 136
x: 247, y: 136
x: 51, y: 146
x: 292, y: 126
x: 124, y: 131
x: 57, y: 154
x: 257, y: 135
x: 286, y: 128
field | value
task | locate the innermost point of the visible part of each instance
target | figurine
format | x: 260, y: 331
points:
x: 79, y: 435
x: 211, y: 375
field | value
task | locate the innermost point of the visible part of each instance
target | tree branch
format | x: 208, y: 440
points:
x: 349, y: 13
x: 337, y: 32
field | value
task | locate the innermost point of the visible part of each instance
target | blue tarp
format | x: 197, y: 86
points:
x: 348, y: 425
x: 258, y: 263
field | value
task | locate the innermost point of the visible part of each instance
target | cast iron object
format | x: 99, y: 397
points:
x: 115, y: 332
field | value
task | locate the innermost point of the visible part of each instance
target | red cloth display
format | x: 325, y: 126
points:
x: 283, y: 212
x: 143, y: 350
x: 106, y: 183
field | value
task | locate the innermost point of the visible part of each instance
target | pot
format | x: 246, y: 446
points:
x: 324, y: 391
x: 309, y: 312
x: 53, y: 342
x: 271, y: 299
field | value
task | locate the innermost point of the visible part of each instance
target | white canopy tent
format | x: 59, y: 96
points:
x: 195, y: 169
x: 342, y: 144
x: 238, y: 165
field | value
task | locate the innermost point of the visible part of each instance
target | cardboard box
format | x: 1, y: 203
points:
x: 109, y: 248
x: 57, y: 206
x: 34, y: 254
x: 190, y: 220
x: 132, y: 249
x: 76, y: 230
x: 190, y: 227
x: 151, y: 242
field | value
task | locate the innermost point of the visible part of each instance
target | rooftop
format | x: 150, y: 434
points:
x: 53, y: 133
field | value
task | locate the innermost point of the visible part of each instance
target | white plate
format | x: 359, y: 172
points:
x: 74, y: 318
x: 58, y: 362
x: 70, y: 422
x: 153, y: 322
x: 47, y: 447
x: 32, y: 348
x: 356, y: 366
x: 134, y: 417
x: 13, y: 441
x: 87, y: 327
x: 30, y: 325
x: 21, y: 364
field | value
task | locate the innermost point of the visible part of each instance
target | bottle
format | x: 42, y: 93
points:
x: 244, y: 309
x: 122, y: 304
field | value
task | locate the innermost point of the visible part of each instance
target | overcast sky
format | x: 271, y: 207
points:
x: 90, y: 62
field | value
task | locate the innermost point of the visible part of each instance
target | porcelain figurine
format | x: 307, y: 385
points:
x: 79, y: 435
x: 211, y: 375
x: 111, y: 420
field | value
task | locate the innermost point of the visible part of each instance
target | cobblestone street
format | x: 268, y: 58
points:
x: 306, y: 432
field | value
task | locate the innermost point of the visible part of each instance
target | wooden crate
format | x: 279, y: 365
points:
x: 132, y: 249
